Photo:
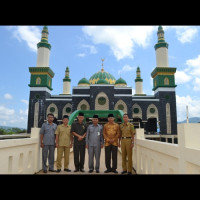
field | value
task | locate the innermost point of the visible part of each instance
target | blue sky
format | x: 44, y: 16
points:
x: 124, y: 48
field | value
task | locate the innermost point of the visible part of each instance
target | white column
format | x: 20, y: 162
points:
x: 162, y: 57
x: 43, y: 57
x: 66, y: 87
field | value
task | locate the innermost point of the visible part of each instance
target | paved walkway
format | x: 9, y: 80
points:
x: 102, y: 166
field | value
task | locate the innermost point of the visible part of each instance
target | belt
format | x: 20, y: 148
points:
x: 126, y: 137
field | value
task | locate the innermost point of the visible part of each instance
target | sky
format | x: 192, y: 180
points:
x: 81, y: 48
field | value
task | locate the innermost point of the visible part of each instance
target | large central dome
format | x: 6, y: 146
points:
x: 102, y: 75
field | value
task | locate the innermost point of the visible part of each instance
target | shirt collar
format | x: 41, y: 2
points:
x: 64, y: 125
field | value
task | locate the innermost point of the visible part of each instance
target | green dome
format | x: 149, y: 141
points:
x: 83, y: 82
x: 103, y: 76
x: 102, y: 81
x: 120, y: 81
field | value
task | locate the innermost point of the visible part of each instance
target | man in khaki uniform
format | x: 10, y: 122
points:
x: 127, y: 133
x: 64, y: 141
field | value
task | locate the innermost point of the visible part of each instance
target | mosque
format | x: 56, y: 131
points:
x: 103, y: 93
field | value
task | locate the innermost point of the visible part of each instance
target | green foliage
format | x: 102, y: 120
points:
x: 11, y: 131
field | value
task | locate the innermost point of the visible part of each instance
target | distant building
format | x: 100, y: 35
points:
x: 102, y: 91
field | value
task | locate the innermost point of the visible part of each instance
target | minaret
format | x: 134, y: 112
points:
x: 163, y: 75
x: 40, y: 83
x: 161, y: 49
x: 164, y: 86
x: 43, y: 49
x: 138, y: 83
x: 66, y: 82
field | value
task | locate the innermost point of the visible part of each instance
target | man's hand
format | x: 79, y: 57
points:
x: 42, y: 145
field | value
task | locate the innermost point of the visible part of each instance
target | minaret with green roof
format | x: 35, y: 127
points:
x: 163, y: 75
x: 41, y: 75
x: 138, y: 83
x: 161, y: 49
x: 66, y: 82
x: 43, y: 49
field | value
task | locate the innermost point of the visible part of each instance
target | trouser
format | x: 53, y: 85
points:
x: 60, y: 151
x: 111, y: 151
x: 94, y: 151
x: 126, y: 152
x: 79, y: 156
x: 48, y: 151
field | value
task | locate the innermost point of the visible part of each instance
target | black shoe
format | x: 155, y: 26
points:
x: 58, y: 170
x: 124, y: 172
x: 52, y: 170
x: 115, y: 171
x: 97, y: 171
x: 82, y: 170
x: 129, y: 173
x: 76, y: 170
x: 108, y: 170
x: 67, y: 170
x: 90, y: 171
x: 45, y: 171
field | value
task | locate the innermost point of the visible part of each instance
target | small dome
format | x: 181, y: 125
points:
x: 102, y: 81
x: 120, y: 82
x: 83, y: 82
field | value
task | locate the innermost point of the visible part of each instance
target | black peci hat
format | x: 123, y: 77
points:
x: 66, y: 116
x: 81, y: 114
x: 110, y: 115
x: 96, y: 116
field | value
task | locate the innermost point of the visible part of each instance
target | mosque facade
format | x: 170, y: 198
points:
x: 102, y: 92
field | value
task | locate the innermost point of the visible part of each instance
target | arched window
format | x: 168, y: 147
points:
x: 38, y: 81
x: 166, y: 81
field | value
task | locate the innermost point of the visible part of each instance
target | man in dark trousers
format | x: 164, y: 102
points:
x: 47, y: 143
x: 79, y: 129
x: 111, y: 135
x: 94, y: 143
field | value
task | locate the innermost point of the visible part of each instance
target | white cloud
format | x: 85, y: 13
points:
x: 197, y: 84
x: 23, y: 112
x: 193, y: 104
x: 121, y: 39
x: 186, y: 34
x: 92, y: 48
x: 6, y: 112
x: 13, y: 117
x: 30, y: 34
x: 194, y: 71
x: 81, y: 55
x: 182, y: 77
x: 8, y: 96
x: 126, y: 68
x: 25, y: 101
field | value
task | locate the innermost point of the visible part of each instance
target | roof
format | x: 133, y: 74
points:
x: 120, y: 81
x: 104, y: 76
x: 83, y: 81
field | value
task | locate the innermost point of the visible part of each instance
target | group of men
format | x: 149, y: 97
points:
x: 93, y: 138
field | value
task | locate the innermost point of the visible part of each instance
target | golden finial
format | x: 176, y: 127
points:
x: 102, y: 64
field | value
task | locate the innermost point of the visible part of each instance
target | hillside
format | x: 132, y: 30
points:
x: 192, y: 120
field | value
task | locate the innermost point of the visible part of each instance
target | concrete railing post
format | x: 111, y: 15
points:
x: 35, y: 133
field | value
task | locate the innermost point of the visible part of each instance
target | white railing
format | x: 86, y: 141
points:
x: 20, y: 156
x: 23, y: 156
x: 153, y: 157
